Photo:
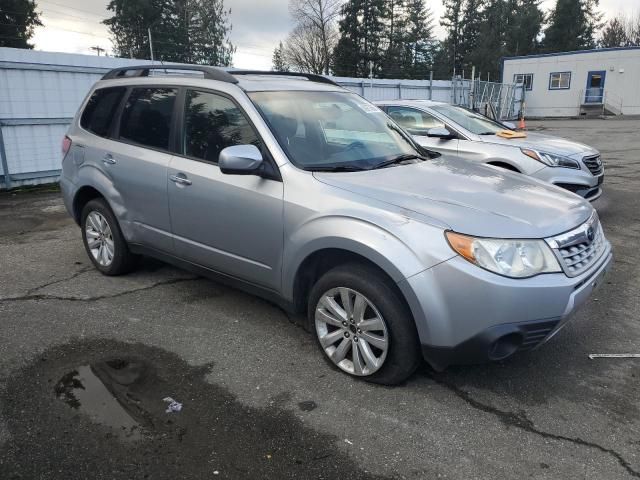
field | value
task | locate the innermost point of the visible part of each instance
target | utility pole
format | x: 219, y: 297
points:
x: 97, y: 49
x: 150, y: 43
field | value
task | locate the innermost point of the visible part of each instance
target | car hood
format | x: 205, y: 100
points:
x: 470, y: 198
x: 546, y: 143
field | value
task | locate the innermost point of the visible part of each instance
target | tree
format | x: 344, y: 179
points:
x: 452, y: 21
x: 471, y: 23
x: 486, y: 54
x: 572, y: 26
x: 18, y: 20
x: 419, y: 42
x: 304, y: 50
x: 322, y: 15
x: 614, y: 34
x: 279, y: 64
x: 362, y: 38
x: 189, y: 31
x: 524, y: 24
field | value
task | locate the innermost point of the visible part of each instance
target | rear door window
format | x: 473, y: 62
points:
x: 146, y: 118
x: 101, y: 107
x: 213, y: 122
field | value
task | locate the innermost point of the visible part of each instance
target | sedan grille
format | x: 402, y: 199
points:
x: 580, y: 248
x: 594, y: 164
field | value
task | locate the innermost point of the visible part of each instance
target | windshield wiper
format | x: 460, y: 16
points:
x: 334, y: 168
x: 398, y: 159
x: 487, y: 133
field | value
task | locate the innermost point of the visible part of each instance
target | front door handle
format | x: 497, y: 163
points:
x: 108, y: 159
x: 180, y: 179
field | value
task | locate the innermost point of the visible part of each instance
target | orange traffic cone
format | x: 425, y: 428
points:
x: 521, y: 124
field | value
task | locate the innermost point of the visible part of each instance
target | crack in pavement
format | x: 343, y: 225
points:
x: 28, y: 297
x: 61, y: 280
x: 521, y: 421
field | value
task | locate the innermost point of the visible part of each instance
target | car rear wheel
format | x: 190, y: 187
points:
x: 362, y: 326
x: 103, y: 239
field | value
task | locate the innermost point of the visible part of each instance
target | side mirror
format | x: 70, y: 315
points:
x: 509, y: 125
x: 439, y: 132
x: 240, y: 160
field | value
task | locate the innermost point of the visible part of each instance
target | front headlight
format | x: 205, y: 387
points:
x: 511, y: 258
x: 551, y: 159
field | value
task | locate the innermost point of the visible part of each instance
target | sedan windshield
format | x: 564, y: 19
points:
x: 472, y: 121
x: 336, y: 131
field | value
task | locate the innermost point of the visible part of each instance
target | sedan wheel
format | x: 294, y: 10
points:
x: 351, y: 331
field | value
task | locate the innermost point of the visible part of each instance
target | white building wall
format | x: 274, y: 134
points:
x: 621, y: 86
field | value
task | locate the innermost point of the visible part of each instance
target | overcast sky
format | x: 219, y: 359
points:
x: 258, y: 25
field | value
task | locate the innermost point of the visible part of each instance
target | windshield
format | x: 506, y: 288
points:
x: 334, y: 130
x: 472, y: 121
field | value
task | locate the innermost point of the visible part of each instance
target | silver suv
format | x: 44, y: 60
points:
x: 306, y: 194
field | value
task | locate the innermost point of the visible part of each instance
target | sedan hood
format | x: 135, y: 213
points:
x: 469, y: 198
x: 545, y: 143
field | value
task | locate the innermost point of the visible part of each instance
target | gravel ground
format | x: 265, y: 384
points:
x: 258, y: 399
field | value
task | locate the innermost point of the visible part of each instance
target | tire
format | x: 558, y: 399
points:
x: 397, y: 357
x: 118, y: 259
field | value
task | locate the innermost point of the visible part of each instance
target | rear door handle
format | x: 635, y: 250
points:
x: 180, y: 179
x: 108, y: 159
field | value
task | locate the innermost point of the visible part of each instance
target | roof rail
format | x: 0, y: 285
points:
x: 309, y: 76
x: 210, y: 73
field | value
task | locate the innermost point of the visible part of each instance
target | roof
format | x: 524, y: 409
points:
x: 574, y: 52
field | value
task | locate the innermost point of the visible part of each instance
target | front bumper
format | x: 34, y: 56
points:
x: 468, y: 315
x: 581, y: 182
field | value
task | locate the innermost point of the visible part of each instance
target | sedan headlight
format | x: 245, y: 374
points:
x: 551, y: 159
x: 511, y: 258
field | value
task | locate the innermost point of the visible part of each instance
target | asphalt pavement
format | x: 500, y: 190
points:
x: 89, y: 366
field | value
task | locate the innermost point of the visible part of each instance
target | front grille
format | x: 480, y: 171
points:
x: 594, y: 164
x: 580, y: 248
x: 535, y: 333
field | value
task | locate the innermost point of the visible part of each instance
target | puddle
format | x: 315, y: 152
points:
x: 96, y: 409
x: 84, y: 391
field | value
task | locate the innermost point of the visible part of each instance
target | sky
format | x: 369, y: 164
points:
x: 258, y: 25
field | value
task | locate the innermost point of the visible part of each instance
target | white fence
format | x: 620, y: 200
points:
x: 41, y: 91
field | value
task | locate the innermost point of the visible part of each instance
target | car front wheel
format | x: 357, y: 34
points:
x: 362, y: 325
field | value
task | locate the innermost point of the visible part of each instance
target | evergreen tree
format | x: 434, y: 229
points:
x: 487, y: 53
x: 419, y: 41
x: 572, y: 26
x: 18, y: 19
x: 279, y: 63
x: 525, y: 19
x: 189, y: 31
x: 393, y: 65
x: 473, y: 17
x: 614, y: 34
x: 452, y: 21
x: 362, y: 38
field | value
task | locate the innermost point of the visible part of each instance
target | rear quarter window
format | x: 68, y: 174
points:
x: 101, y: 107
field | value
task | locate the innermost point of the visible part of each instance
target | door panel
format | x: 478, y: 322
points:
x: 231, y: 223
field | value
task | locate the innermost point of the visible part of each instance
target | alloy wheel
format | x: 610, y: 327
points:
x: 99, y: 238
x: 351, y: 331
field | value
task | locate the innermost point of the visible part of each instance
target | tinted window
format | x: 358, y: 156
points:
x: 413, y: 119
x: 213, y: 123
x: 146, y: 118
x: 100, y: 109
